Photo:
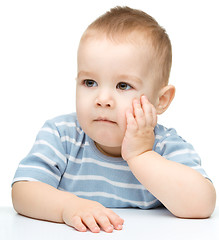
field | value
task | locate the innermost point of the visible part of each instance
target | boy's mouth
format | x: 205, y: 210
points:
x: 104, y: 120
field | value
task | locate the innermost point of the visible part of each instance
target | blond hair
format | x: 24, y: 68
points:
x: 121, y: 22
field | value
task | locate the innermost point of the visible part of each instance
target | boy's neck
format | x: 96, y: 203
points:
x: 109, y: 151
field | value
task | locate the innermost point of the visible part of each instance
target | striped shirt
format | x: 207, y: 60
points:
x: 64, y: 157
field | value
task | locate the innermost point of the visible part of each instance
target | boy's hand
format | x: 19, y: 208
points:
x: 82, y: 214
x: 139, y: 135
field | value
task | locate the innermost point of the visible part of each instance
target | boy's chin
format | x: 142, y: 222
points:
x: 109, y: 142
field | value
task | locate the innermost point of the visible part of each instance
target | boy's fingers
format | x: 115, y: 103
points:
x: 116, y: 221
x: 77, y: 224
x: 131, y: 123
x: 139, y: 113
x: 90, y: 222
x: 104, y: 222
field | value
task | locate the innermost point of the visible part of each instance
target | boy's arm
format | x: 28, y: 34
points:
x: 42, y: 201
x: 184, y: 191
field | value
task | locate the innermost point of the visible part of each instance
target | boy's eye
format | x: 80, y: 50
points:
x: 90, y: 83
x: 123, y: 86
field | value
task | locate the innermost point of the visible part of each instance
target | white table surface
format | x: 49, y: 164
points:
x: 139, y: 224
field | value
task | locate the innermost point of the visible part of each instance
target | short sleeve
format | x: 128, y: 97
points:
x: 174, y: 148
x: 46, y: 161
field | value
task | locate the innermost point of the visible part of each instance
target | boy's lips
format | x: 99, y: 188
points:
x: 104, y: 119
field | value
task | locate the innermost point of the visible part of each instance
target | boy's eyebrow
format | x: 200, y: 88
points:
x: 84, y: 73
x: 129, y: 77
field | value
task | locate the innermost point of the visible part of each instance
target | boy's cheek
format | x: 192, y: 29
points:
x: 122, y: 114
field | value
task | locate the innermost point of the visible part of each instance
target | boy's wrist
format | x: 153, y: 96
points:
x: 144, y: 156
x: 69, y: 200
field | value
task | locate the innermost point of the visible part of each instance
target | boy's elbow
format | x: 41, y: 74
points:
x: 202, y: 212
x: 18, y: 197
x: 203, y: 207
x: 196, y: 213
x: 206, y: 204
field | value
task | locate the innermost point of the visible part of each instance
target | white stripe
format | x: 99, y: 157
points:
x: 44, y: 158
x: 158, y: 136
x: 109, y: 195
x: 24, y: 179
x: 72, y: 140
x: 43, y: 142
x: 50, y: 130
x: 161, y: 144
x: 179, y: 152
x: 40, y: 168
x: 101, y: 178
x: 69, y: 124
x: 103, y: 164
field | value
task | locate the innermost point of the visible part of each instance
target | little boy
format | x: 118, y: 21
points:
x: 112, y: 153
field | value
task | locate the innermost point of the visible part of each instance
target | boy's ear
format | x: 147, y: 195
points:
x: 166, y: 96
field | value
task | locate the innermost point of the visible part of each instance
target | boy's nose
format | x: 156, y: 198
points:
x: 104, y: 100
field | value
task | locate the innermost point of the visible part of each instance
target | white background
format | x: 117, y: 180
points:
x: 38, y: 46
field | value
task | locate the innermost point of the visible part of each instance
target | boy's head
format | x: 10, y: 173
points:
x: 121, y: 56
x: 123, y: 24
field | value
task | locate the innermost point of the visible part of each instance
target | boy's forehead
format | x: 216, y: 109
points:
x: 91, y: 42
x: 96, y: 45
x: 135, y: 37
x: 99, y: 47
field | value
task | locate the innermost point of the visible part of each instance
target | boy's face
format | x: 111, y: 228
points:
x: 110, y: 76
